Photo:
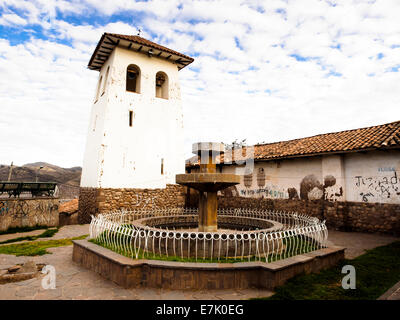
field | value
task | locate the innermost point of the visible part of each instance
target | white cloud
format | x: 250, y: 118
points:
x: 9, y: 19
x: 242, y: 84
x: 45, y: 100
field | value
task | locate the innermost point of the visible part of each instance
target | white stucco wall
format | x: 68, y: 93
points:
x: 333, y: 172
x: 279, y: 177
x: 372, y: 176
x: 120, y: 156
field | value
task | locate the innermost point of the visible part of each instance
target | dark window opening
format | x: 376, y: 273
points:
x: 162, y: 165
x: 133, y: 79
x: 130, y: 118
x: 161, y: 85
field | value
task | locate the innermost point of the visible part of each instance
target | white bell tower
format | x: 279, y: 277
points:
x: 135, y: 136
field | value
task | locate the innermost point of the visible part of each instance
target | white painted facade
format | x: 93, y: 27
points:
x: 118, y: 155
x: 372, y: 176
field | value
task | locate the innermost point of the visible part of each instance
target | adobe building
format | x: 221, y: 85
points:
x: 351, y: 178
x: 134, y: 150
x: 134, y: 144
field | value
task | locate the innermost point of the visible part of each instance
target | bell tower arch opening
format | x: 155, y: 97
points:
x: 133, y: 78
x: 162, y: 85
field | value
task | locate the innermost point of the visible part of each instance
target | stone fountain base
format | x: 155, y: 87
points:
x: 130, y: 273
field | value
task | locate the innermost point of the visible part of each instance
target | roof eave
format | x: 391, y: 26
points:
x: 382, y: 148
x: 114, y: 41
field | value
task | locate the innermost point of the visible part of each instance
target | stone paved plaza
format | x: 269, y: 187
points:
x: 75, y: 282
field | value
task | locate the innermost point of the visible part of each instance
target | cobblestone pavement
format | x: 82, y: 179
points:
x: 392, y: 294
x: 396, y: 294
x: 75, y: 282
x: 65, y: 232
x: 356, y: 242
x: 71, y: 231
x: 5, y: 237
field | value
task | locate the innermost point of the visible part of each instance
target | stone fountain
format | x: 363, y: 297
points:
x: 270, y: 246
x: 208, y: 182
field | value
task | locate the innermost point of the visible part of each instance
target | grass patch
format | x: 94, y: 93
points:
x: 47, y: 234
x: 178, y: 258
x: 22, y: 229
x: 152, y: 256
x: 36, y: 248
x: 376, y: 271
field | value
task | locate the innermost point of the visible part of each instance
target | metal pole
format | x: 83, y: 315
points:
x: 37, y: 171
x: 9, y: 172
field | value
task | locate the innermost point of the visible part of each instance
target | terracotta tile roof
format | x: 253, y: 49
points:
x: 376, y: 137
x: 370, y: 138
x: 69, y: 207
x: 109, y: 41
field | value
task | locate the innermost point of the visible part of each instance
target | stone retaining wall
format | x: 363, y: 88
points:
x: 346, y: 216
x: 366, y: 217
x: 93, y: 201
x: 28, y: 212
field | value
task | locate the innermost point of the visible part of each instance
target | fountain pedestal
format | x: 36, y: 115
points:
x: 207, y: 182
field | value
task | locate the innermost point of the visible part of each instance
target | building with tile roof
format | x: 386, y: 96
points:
x: 360, y: 165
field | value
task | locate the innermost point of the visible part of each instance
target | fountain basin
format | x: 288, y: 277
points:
x: 178, y: 236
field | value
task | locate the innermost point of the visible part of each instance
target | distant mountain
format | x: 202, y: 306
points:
x: 48, y: 172
x: 67, y: 178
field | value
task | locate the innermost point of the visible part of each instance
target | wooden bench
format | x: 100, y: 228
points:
x: 36, y: 189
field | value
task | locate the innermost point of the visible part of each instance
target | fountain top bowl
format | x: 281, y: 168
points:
x: 214, y: 147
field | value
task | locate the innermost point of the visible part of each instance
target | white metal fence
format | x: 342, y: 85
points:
x: 297, y: 234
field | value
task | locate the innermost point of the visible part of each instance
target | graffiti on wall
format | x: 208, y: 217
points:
x: 231, y: 191
x: 263, y: 190
x: 31, y: 212
x: 261, y: 177
x: 331, y: 189
x: 267, y: 192
x: 312, y: 189
x: 22, y: 208
x: 384, y: 187
x: 143, y: 201
x: 3, y: 208
x: 248, y: 180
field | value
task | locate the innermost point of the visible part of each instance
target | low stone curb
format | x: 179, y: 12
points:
x: 388, y: 293
x: 131, y: 273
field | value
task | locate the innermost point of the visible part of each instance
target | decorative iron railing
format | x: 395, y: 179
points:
x: 289, y: 234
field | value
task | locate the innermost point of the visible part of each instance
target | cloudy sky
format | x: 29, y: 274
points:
x: 263, y: 70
